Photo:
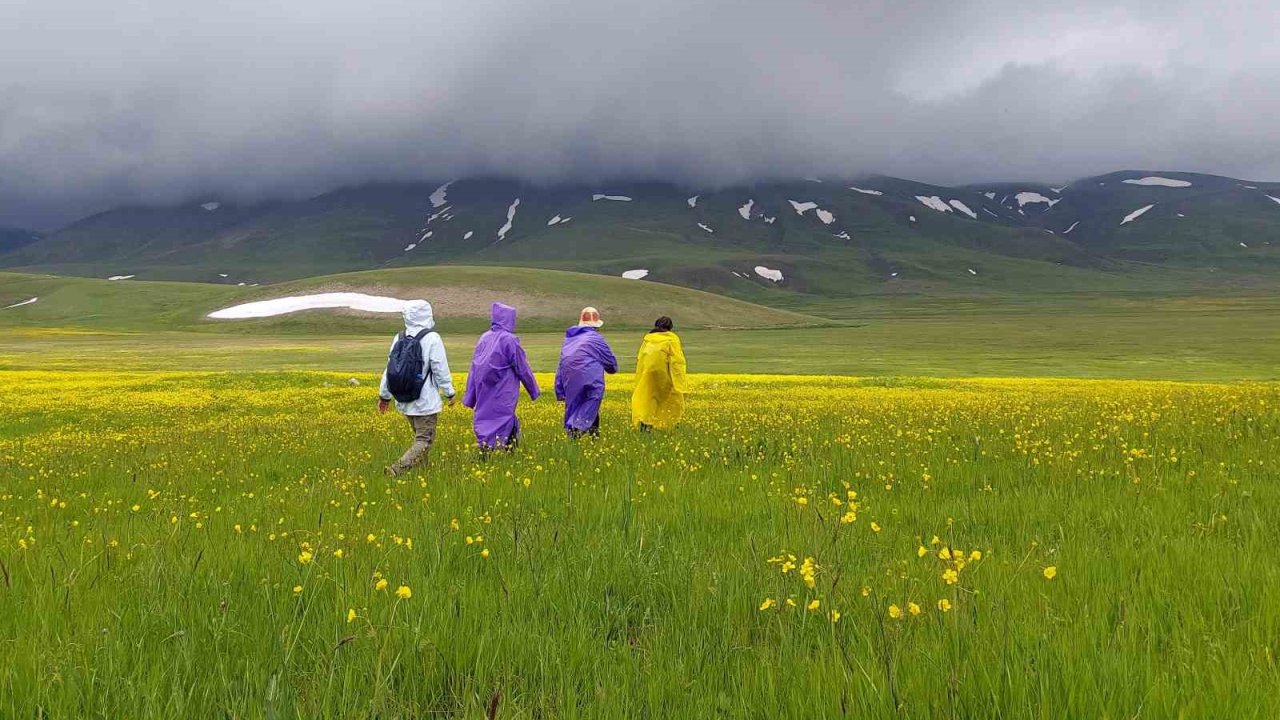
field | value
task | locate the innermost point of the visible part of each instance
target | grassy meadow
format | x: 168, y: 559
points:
x: 986, y: 507
x: 225, y: 545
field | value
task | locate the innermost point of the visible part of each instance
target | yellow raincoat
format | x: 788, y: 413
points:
x: 660, y: 381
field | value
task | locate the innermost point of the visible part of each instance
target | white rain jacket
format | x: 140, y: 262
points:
x: 418, y: 317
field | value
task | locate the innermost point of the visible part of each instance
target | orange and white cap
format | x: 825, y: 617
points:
x: 589, y: 317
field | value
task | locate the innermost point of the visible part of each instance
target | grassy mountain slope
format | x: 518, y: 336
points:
x: 13, y: 239
x: 462, y: 295
x: 828, y: 239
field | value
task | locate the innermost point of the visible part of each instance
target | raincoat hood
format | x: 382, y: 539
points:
x: 503, y: 317
x: 418, y: 317
x: 577, y: 330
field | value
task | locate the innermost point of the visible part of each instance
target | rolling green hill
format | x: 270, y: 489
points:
x: 811, y: 240
x: 461, y: 295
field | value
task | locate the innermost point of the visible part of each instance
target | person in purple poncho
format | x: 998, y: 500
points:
x: 584, y: 359
x: 498, y: 368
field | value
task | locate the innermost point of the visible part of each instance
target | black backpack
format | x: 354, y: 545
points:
x: 407, y: 371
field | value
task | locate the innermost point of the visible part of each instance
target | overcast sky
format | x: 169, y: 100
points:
x: 164, y: 100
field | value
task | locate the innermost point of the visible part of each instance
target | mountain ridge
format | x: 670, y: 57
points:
x: 810, y: 236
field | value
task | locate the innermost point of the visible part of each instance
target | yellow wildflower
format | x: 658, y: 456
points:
x: 1050, y: 572
x: 403, y: 592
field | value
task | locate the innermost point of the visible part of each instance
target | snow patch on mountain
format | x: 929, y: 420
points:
x: 20, y: 304
x: 826, y: 216
x: 693, y: 201
x: 964, y: 209
x: 704, y: 227
x: 1073, y: 227
x: 934, y: 202
x: 638, y: 274
x: 769, y: 273
x: 211, y: 206
x: 1028, y: 197
x: 1136, y: 214
x: 745, y: 210
x: 121, y: 277
x: 437, y: 198
x: 511, y: 218
x: 614, y: 198
x: 322, y: 301
x: 1273, y: 197
x: 866, y: 192
x: 1157, y: 181
x: 802, y: 207
x: 990, y: 195
x: 554, y: 221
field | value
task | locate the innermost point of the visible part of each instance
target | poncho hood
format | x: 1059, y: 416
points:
x: 503, y: 317
x: 577, y: 330
x: 418, y: 316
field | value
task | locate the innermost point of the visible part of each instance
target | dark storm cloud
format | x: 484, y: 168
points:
x: 104, y: 103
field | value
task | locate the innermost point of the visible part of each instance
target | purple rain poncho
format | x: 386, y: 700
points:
x: 498, y: 368
x: 584, y: 359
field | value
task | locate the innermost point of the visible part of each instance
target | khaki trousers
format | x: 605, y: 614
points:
x: 424, y: 433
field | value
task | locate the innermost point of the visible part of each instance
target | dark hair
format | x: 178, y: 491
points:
x: 662, y: 324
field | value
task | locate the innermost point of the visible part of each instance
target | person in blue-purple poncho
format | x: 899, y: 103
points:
x: 584, y: 360
x: 498, y: 369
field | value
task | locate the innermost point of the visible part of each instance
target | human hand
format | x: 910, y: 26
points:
x: 383, y: 405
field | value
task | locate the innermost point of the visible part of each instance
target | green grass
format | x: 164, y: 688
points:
x: 153, y: 527
x: 625, y: 577
x: 1223, y: 339
x: 460, y: 295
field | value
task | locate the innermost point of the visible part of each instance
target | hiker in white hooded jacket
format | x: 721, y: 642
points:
x: 423, y: 414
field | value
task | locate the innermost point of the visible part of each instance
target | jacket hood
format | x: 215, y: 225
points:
x: 577, y: 330
x: 418, y: 317
x: 503, y: 317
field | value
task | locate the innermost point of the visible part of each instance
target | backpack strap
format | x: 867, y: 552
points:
x: 421, y: 334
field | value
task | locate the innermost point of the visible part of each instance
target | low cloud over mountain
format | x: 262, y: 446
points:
x: 107, y: 103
